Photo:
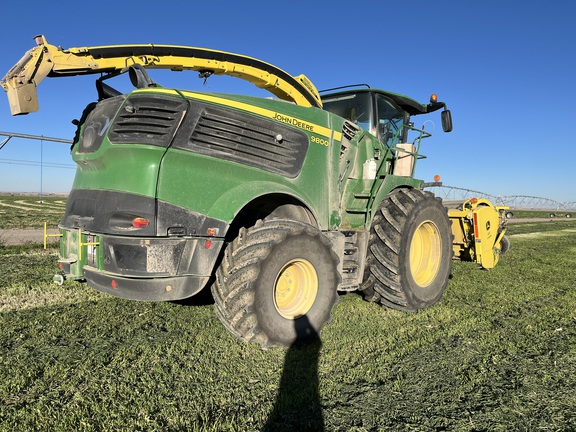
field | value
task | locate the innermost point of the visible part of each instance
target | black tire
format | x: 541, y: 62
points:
x: 409, y: 259
x: 272, y: 258
x: 504, y: 245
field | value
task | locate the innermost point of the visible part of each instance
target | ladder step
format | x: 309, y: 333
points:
x: 356, y: 210
x: 362, y: 195
x: 350, y: 251
x: 350, y: 267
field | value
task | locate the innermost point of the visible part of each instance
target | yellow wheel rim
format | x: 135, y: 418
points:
x: 425, y: 253
x: 295, y: 289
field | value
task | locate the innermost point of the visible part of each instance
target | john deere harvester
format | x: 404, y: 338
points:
x: 276, y: 204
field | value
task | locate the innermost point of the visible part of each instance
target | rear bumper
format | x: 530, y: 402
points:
x: 148, y: 268
x: 156, y: 289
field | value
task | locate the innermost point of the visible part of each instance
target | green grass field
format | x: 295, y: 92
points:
x: 25, y: 211
x: 498, y: 353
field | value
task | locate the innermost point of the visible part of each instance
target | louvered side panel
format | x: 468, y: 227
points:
x: 250, y: 140
x: 147, y: 119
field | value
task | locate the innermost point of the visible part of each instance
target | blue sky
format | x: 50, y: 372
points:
x: 506, y: 70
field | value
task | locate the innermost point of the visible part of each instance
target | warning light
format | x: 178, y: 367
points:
x: 436, y: 178
x: 140, y: 222
x: 474, y: 200
x: 433, y: 98
x: 208, y: 244
x: 212, y: 232
x: 113, y: 284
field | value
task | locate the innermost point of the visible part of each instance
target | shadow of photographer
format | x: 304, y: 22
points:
x: 297, y: 406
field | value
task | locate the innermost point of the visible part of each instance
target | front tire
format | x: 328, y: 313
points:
x: 409, y: 259
x: 277, y: 283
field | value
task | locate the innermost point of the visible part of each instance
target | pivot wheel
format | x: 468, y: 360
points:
x: 409, y: 257
x: 277, y: 283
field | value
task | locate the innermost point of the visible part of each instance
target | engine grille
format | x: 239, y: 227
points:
x: 247, y: 139
x: 147, y: 119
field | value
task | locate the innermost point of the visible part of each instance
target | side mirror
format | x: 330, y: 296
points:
x: 446, y: 117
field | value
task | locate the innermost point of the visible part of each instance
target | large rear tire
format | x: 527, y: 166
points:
x: 409, y: 259
x: 277, y: 283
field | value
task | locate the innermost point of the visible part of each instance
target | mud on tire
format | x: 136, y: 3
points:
x: 409, y: 258
x: 277, y: 283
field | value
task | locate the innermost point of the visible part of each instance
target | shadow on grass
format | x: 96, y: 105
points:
x: 203, y: 298
x: 297, y: 406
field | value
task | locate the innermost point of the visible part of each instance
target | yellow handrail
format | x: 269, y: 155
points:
x: 46, y: 235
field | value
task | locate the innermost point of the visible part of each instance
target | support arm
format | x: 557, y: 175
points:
x: 46, y: 60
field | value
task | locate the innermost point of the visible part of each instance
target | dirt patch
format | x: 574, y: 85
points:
x: 22, y: 236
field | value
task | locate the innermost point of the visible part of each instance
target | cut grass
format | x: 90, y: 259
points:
x: 497, y: 353
x: 22, y: 211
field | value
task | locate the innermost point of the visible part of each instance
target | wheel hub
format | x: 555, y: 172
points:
x: 425, y: 253
x: 295, y: 289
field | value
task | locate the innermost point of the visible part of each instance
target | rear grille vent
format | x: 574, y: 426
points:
x: 247, y: 139
x: 147, y: 119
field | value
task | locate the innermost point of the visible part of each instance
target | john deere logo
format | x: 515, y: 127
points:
x: 488, y: 226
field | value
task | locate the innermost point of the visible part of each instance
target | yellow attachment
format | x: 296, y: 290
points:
x: 477, y: 229
x: 295, y: 289
x: 425, y: 253
x: 485, y: 232
x: 48, y: 60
